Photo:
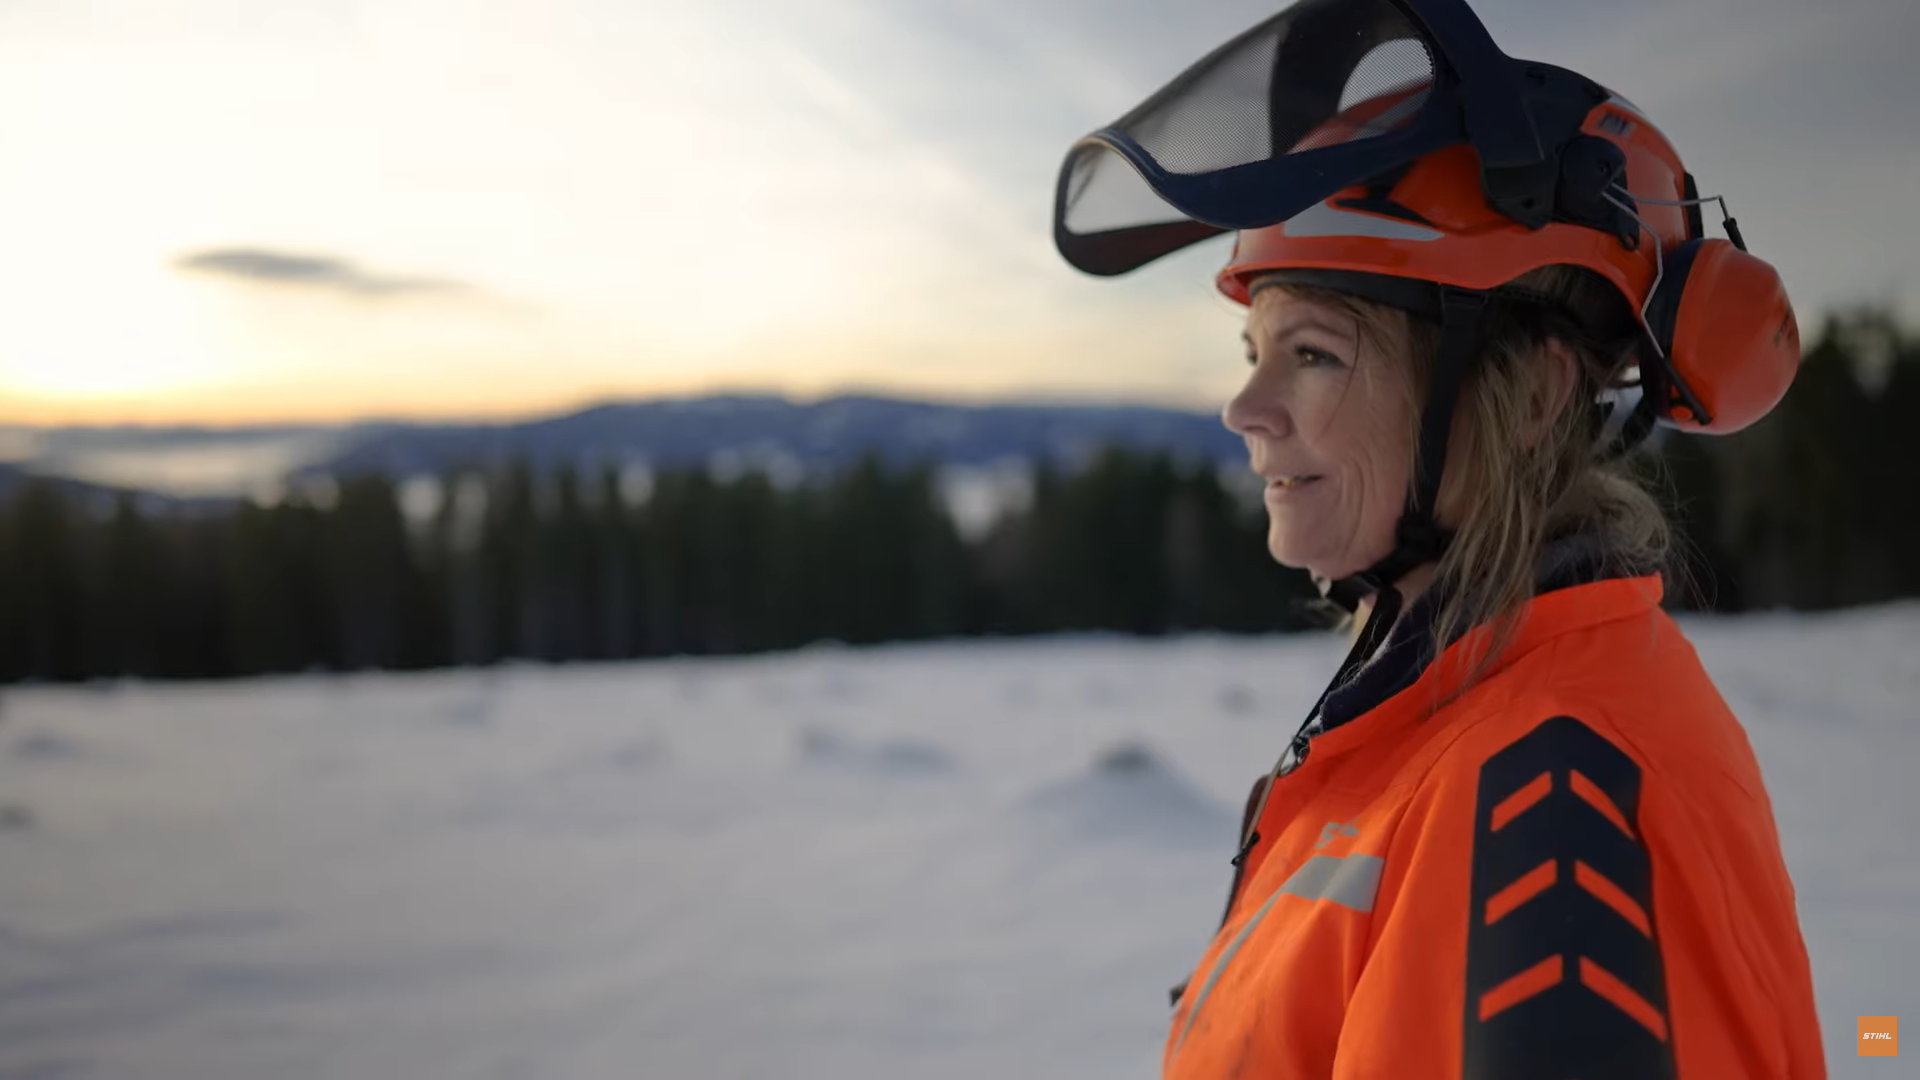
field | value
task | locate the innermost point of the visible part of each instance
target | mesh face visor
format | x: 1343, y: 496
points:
x: 1248, y: 137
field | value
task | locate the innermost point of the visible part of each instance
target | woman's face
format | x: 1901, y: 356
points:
x: 1327, y: 418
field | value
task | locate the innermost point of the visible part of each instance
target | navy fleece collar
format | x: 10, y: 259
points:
x: 1576, y: 559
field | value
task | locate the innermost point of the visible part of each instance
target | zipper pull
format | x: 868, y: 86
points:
x: 1253, y: 840
x: 1296, y: 754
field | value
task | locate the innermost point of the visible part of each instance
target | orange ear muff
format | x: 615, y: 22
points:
x: 1732, y: 346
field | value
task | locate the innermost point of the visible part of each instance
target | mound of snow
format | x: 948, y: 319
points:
x: 887, y: 757
x: 614, y: 762
x: 46, y: 746
x: 637, y: 754
x: 1130, y: 793
x: 607, y: 790
x: 1238, y: 699
x: 474, y: 711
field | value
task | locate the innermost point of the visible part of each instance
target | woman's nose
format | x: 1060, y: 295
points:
x: 1256, y: 410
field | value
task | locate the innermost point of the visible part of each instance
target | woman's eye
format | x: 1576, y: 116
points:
x: 1311, y: 357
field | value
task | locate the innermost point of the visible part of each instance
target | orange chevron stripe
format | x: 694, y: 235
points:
x: 1613, y: 896
x: 1526, y: 887
x: 1597, y: 799
x: 1520, y: 801
x: 1602, y: 982
x: 1542, y: 976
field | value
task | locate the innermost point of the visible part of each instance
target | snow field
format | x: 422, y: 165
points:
x: 928, y: 861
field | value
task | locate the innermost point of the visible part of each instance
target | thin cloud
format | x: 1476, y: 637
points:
x: 317, y: 272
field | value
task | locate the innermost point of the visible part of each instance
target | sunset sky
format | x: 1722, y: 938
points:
x: 243, y: 211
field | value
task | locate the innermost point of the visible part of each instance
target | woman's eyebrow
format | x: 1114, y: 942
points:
x: 1308, y: 323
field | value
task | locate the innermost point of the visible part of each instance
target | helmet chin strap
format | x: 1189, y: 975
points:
x: 1418, y: 538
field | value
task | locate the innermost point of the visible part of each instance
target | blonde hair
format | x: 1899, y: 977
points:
x: 1514, y: 478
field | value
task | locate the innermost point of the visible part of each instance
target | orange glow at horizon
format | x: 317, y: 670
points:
x: 496, y: 402
x: 426, y: 242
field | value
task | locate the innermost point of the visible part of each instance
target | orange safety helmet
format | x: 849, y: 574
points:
x: 1389, y: 148
x: 1392, y: 137
x: 1725, y: 343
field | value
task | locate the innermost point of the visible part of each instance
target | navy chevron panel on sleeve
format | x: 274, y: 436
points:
x: 1564, y: 973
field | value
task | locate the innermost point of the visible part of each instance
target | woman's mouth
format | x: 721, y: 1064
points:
x: 1289, y: 483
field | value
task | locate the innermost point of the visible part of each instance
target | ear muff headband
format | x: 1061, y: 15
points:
x: 1728, y: 335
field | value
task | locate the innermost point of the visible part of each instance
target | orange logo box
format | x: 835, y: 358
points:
x: 1879, y: 1037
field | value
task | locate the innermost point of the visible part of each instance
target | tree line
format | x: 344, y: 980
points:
x: 569, y: 566
x: 1816, y: 506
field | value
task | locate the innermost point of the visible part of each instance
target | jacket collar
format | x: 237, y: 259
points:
x: 1573, y: 559
x: 1547, y: 616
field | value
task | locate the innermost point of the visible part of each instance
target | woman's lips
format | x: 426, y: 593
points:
x: 1288, y: 488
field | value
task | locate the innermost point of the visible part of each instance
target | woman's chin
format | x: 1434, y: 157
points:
x: 1295, y: 556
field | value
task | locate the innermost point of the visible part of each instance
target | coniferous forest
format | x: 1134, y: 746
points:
x: 1817, y: 506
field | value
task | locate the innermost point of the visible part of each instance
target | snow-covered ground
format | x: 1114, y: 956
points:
x: 889, y: 863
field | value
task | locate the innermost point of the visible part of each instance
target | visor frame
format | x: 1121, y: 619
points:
x: 1477, y: 95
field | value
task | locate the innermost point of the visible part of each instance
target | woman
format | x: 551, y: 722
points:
x: 1520, y: 834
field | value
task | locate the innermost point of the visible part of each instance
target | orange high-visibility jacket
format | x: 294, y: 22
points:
x: 1570, y: 872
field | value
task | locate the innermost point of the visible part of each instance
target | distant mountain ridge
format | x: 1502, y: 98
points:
x: 770, y: 431
x: 726, y: 432
x: 14, y: 479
